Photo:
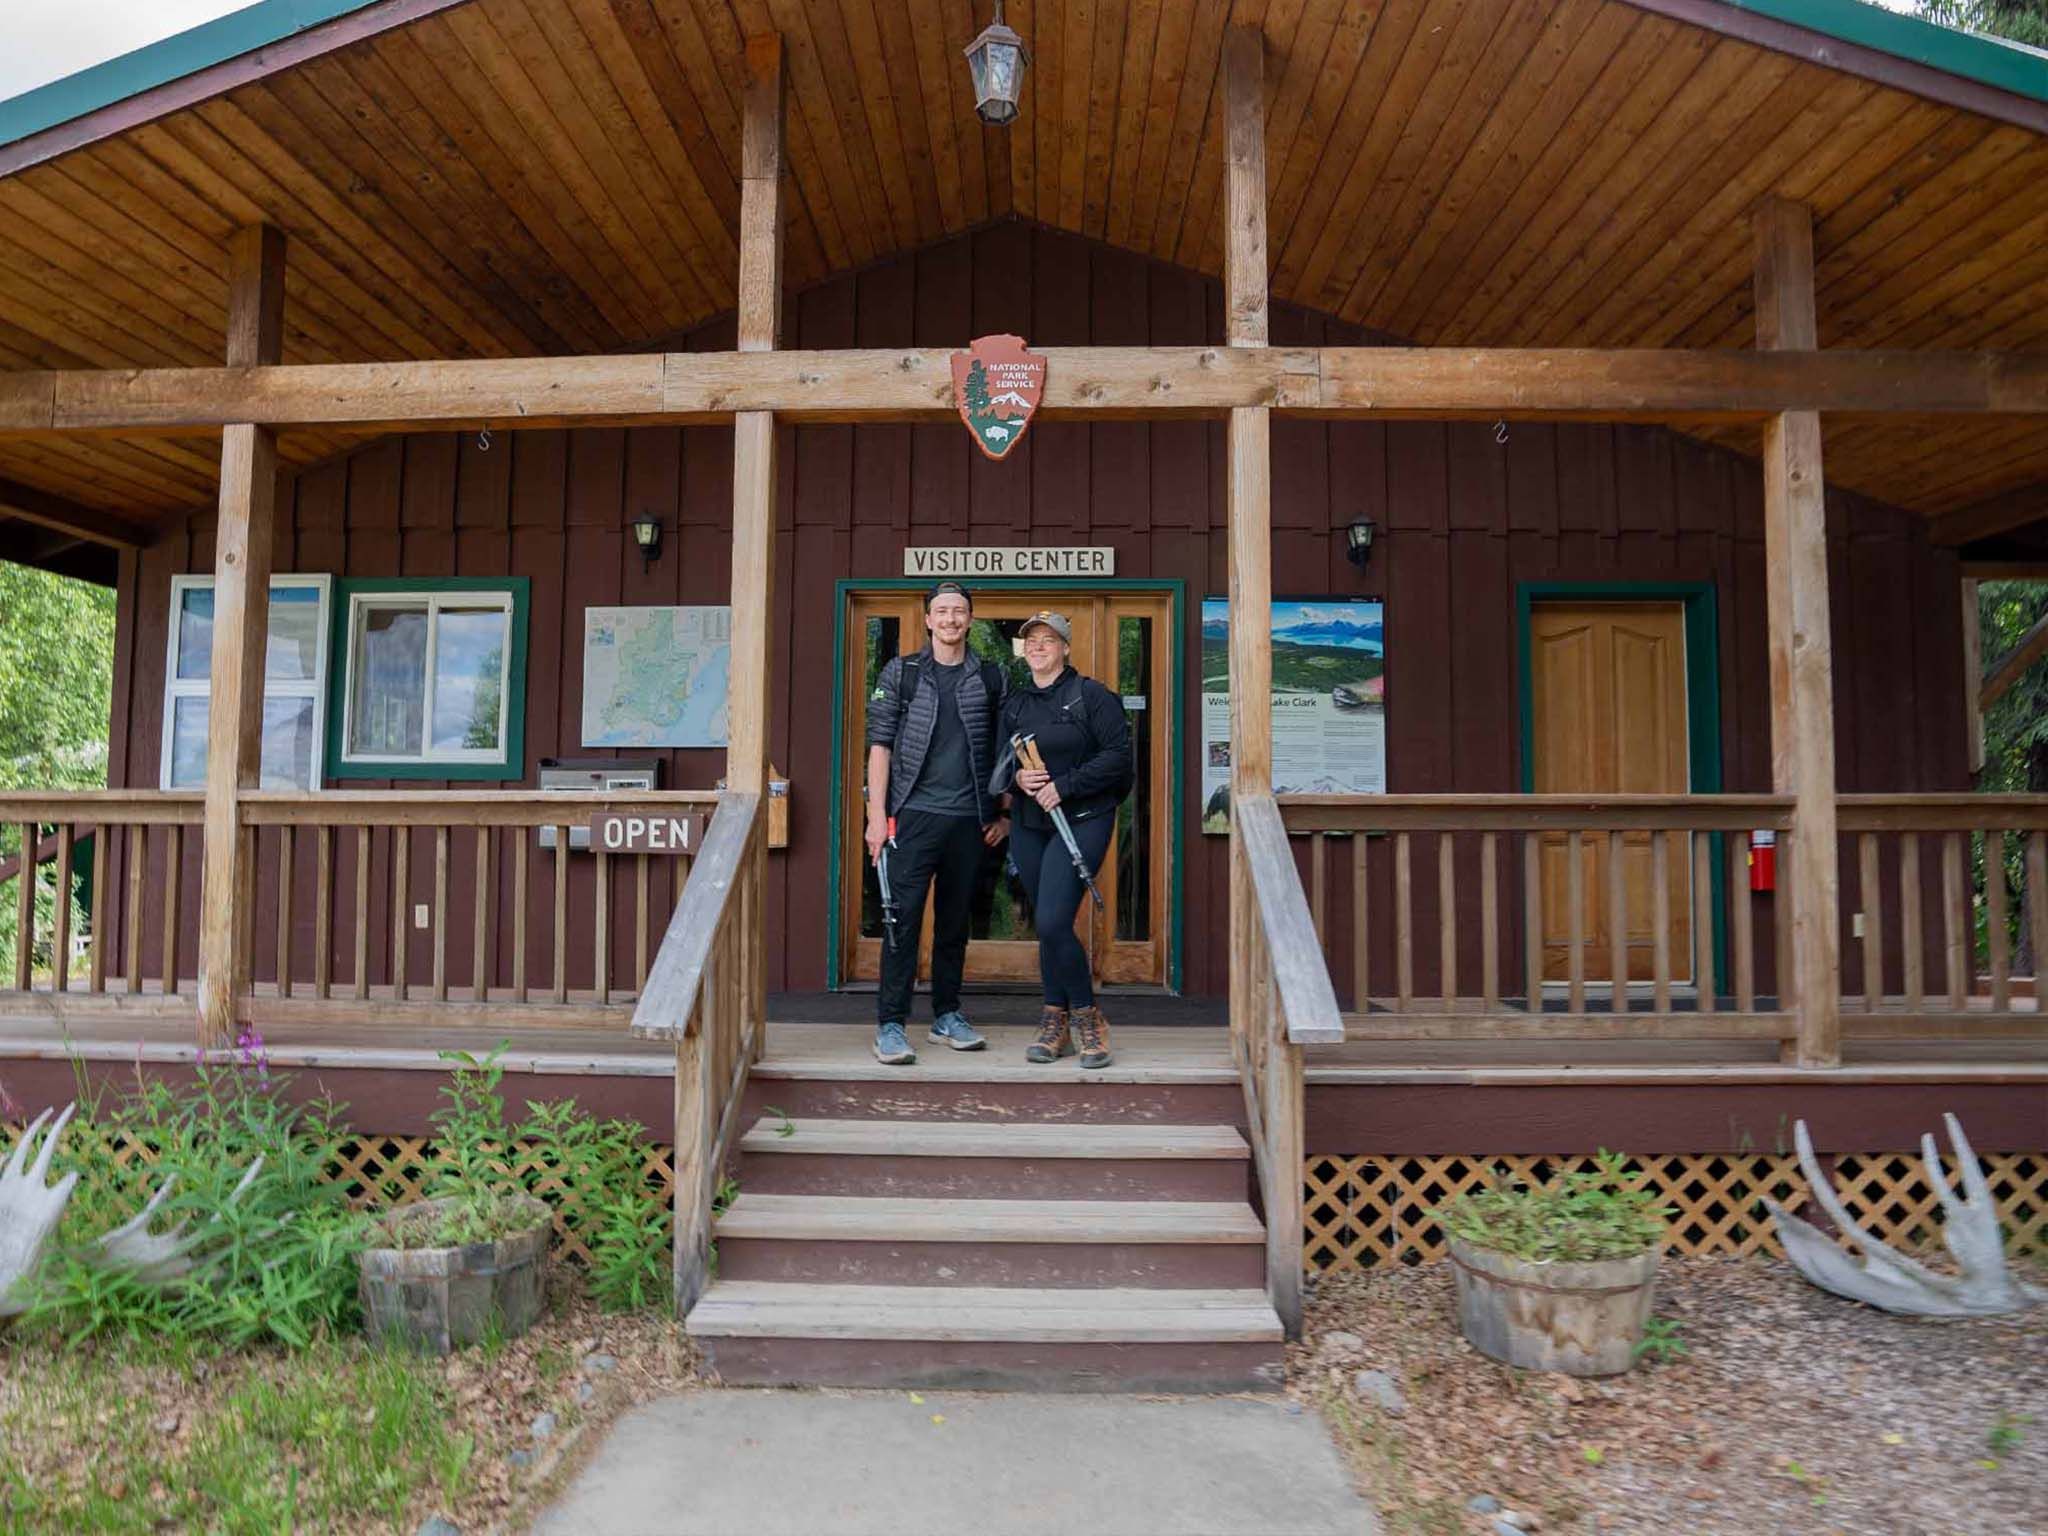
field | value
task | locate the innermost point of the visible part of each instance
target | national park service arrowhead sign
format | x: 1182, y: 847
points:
x: 997, y: 384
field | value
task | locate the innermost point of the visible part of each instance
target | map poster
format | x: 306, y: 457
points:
x: 656, y: 677
x: 1329, y: 700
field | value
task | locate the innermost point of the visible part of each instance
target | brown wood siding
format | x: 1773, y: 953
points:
x: 1462, y: 519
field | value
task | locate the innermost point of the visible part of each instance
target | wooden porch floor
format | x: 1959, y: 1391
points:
x: 1146, y: 1053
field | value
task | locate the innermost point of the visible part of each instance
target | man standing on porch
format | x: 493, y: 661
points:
x: 931, y: 748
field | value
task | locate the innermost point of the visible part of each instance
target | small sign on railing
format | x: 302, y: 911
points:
x: 629, y: 832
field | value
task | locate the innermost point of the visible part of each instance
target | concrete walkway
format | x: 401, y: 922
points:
x: 767, y: 1463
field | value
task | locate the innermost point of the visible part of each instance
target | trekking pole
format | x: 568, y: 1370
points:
x: 1026, y: 748
x: 888, y: 890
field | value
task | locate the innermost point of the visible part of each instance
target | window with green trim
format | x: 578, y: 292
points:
x: 432, y: 679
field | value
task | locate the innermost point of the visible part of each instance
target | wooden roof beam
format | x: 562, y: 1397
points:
x: 2013, y: 665
x: 1682, y: 388
x: 1987, y: 519
x: 65, y: 516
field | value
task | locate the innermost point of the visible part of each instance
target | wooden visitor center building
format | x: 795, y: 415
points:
x: 1579, y: 421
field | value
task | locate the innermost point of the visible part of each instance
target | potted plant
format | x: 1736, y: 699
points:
x: 441, y: 1273
x: 1559, y: 1277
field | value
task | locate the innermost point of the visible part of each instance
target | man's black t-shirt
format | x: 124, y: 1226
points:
x: 945, y: 784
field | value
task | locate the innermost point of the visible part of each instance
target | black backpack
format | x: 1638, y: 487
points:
x: 991, y: 680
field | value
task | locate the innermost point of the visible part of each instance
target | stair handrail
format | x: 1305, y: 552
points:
x: 703, y: 992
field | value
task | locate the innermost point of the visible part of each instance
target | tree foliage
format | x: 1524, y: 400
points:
x: 2017, y: 21
x: 2015, y: 742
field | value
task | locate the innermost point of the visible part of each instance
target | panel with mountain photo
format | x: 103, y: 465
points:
x: 1329, y: 700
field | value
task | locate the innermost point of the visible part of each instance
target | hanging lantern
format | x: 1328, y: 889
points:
x: 997, y: 59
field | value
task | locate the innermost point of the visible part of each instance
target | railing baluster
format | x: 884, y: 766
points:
x: 100, y: 861
x: 401, y: 898
x: 284, y: 911
x: 1575, y: 919
x: 1781, y: 920
x: 1361, y: 969
x: 1870, y: 896
x: 1404, y: 926
x: 1999, y: 942
x: 1660, y: 920
x: 480, y: 935
x: 521, y: 837
x: 1617, y: 926
x: 174, y: 880
x: 1741, y: 923
x: 362, y: 976
x: 561, y: 973
x: 25, y: 909
x: 60, y: 941
x: 1447, y: 916
x: 1318, y: 895
x: 2037, y: 913
x: 1956, y: 920
x: 640, y: 922
x: 601, y: 947
x: 323, y: 911
x: 1912, y: 951
x: 1532, y: 921
x: 440, y: 914
x: 136, y: 844
x: 1489, y: 921
x: 1704, y: 998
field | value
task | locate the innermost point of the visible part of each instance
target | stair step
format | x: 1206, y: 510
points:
x: 982, y: 1314
x: 853, y: 1218
x: 974, y: 1139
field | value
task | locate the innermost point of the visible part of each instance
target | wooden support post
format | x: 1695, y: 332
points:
x: 241, y: 619
x: 1802, y: 701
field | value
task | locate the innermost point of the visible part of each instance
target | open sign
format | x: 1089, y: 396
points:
x: 622, y: 832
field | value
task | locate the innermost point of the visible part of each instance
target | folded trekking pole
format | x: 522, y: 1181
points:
x: 888, y: 890
x: 1026, y: 749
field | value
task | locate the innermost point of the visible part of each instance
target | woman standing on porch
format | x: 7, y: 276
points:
x: 1078, y: 729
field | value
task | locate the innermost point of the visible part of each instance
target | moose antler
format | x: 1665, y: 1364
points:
x: 158, y: 1257
x: 29, y: 1208
x: 1890, y: 1280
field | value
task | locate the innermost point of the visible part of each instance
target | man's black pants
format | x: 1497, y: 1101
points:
x: 945, y: 850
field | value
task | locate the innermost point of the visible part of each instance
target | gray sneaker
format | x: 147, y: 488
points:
x: 954, y: 1030
x: 892, y: 1046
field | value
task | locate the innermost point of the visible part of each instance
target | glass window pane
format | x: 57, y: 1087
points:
x: 292, y: 652
x: 195, y: 633
x: 883, y: 638
x: 1134, y: 818
x: 469, y: 662
x: 287, y: 743
x: 188, y: 743
x: 390, y: 682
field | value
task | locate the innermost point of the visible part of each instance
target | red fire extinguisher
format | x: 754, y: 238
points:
x: 1763, y: 861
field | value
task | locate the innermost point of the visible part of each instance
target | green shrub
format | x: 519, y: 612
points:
x: 1589, y: 1215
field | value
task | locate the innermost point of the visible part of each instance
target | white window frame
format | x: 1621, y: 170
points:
x: 176, y: 688
x: 433, y: 601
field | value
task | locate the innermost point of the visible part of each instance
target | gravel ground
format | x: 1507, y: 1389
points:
x: 1792, y: 1411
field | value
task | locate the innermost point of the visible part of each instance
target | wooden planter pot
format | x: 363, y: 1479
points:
x: 1582, y: 1318
x: 443, y: 1299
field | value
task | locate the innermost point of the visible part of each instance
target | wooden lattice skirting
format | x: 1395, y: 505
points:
x: 1363, y: 1211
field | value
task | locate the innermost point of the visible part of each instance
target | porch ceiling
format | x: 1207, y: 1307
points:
x: 512, y: 177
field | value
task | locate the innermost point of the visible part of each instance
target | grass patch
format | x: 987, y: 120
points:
x: 136, y: 1437
x: 1380, y: 1460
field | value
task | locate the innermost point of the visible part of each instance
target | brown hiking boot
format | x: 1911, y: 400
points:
x: 1053, y: 1040
x: 1092, y: 1030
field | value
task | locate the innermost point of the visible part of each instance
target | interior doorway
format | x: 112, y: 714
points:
x: 1126, y: 635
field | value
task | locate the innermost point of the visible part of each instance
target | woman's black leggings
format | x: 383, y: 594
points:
x: 1047, y: 870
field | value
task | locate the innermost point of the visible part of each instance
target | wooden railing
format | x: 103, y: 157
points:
x: 1933, y: 888
x: 1544, y: 955
x: 702, y: 994
x: 140, y: 852
x: 1282, y: 1002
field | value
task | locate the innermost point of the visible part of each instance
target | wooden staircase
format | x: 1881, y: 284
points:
x: 990, y: 1231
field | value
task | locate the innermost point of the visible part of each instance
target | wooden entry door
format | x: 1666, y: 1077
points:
x: 1609, y: 682
x: 1123, y: 639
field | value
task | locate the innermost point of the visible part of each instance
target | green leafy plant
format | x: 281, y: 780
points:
x: 1660, y: 1342
x: 2007, y: 1431
x: 1593, y: 1214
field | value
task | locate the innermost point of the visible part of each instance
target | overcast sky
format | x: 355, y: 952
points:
x: 49, y: 39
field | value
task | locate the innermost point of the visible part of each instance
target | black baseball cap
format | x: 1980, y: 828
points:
x: 945, y: 587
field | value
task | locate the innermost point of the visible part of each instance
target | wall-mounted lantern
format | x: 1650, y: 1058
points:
x: 647, y: 534
x: 997, y: 59
x: 1358, y: 541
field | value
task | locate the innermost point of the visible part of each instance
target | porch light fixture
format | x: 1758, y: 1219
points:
x: 997, y: 59
x: 1358, y: 541
x: 647, y: 534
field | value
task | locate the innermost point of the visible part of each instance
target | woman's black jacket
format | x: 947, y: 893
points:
x: 1081, y: 732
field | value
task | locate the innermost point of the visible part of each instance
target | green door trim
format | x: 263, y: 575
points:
x: 1174, y: 588
x: 1702, y: 699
